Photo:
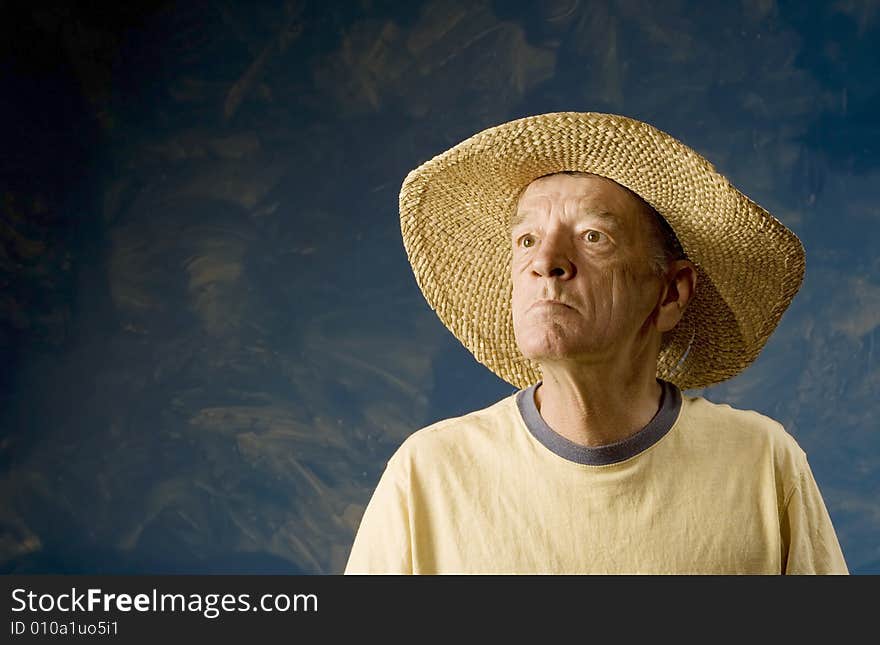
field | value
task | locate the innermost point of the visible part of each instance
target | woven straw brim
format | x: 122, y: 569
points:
x: 455, y: 214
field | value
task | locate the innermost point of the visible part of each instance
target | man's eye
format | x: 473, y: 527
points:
x: 593, y: 236
x: 527, y: 241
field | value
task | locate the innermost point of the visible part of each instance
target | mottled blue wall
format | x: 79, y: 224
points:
x: 211, y: 337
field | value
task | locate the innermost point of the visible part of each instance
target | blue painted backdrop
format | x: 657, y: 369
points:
x: 211, y: 338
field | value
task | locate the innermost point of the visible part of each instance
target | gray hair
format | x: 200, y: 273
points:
x: 667, y: 248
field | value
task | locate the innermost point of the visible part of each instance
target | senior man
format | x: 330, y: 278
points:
x: 602, y: 267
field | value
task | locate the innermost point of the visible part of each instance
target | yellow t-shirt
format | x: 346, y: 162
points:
x: 717, y: 491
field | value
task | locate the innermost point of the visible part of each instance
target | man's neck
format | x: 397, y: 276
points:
x: 591, y: 405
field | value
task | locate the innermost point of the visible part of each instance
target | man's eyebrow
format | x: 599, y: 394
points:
x: 520, y: 216
x: 609, y: 217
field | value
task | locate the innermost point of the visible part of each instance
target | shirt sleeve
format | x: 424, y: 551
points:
x: 809, y: 538
x: 382, y: 544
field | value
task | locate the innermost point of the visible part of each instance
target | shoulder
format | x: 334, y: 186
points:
x: 740, y: 432
x: 737, y: 419
x: 462, y: 436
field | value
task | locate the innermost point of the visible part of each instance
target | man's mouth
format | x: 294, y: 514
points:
x: 550, y: 302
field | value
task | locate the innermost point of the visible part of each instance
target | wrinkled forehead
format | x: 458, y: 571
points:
x: 580, y: 192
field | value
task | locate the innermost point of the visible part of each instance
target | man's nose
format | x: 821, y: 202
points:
x: 553, y: 259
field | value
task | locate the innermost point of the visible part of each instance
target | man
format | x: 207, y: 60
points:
x: 601, y: 266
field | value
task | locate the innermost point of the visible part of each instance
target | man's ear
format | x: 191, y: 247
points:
x: 678, y: 290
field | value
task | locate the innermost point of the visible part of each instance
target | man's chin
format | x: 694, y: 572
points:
x: 553, y: 353
x: 555, y: 342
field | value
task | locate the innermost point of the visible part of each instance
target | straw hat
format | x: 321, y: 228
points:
x: 455, y: 211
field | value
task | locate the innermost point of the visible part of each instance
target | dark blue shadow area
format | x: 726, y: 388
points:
x: 210, y: 333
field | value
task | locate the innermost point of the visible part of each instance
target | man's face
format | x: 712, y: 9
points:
x: 583, y: 283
